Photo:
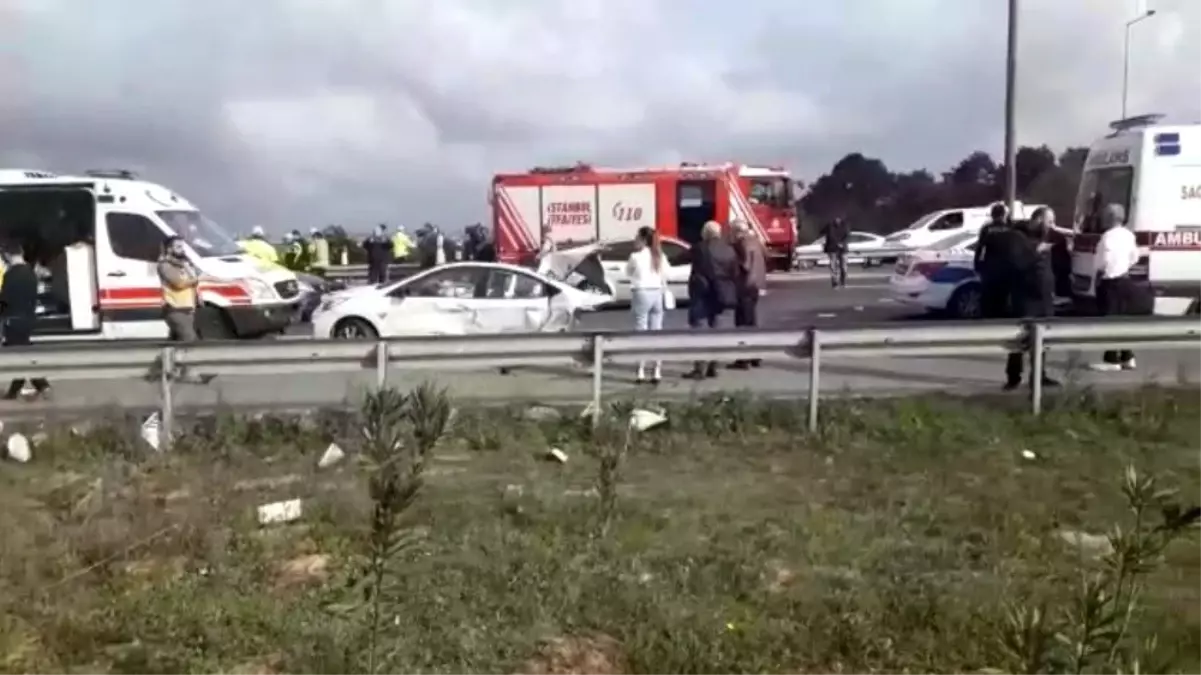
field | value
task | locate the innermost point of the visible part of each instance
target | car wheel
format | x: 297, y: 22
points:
x: 354, y: 329
x: 965, y: 303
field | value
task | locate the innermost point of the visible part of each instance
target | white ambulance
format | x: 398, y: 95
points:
x: 1153, y: 170
x: 98, y: 236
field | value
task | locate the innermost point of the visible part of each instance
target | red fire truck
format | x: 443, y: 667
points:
x: 580, y: 204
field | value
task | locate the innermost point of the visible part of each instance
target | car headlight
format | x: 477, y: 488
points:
x: 260, y: 291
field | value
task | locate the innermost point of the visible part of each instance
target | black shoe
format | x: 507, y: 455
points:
x: 739, y: 365
x: 655, y: 381
x: 755, y: 363
x: 711, y: 371
x: 1011, y: 385
x: 1051, y: 383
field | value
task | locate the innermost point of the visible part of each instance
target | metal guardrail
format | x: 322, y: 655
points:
x: 396, y: 271
x: 163, y: 362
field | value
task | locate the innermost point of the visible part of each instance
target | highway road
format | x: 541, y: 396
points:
x: 794, y: 303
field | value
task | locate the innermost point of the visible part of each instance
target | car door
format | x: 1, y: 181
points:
x: 131, y: 298
x: 516, y: 302
x: 679, y: 266
x: 441, y: 302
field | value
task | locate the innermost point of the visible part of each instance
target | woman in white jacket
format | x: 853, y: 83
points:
x: 648, y: 291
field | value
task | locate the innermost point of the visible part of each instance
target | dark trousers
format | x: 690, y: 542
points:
x: 746, y: 315
x: 1115, y: 297
x: 704, y: 311
x: 994, y: 299
x: 377, y: 273
x: 18, y: 332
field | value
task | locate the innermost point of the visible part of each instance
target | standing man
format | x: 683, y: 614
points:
x: 318, y: 253
x: 1032, y: 288
x: 837, y: 234
x: 992, y: 263
x: 18, y: 309
x: 1116, y: 253
x: 712, y: 287
x: 179, y: 281
x: 379, y: 255
x: 752, y: 282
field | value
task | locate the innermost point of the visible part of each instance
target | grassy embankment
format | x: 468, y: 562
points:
x: 909, y: 534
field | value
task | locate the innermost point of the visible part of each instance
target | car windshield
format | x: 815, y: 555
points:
x: 205, y: 237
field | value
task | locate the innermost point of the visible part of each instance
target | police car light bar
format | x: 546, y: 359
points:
x: 1136, y: 121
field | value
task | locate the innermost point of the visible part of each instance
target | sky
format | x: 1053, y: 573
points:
x: 301, y: 113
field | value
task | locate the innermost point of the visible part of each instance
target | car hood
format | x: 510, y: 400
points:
x: 581, y: 260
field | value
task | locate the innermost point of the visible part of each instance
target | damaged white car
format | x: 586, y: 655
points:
x: 464, y: 298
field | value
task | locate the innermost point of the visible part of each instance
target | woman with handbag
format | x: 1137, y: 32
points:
x: 648, y: 292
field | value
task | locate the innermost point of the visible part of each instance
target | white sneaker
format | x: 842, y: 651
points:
x: 1129, y: 365
x: 1105, y: 367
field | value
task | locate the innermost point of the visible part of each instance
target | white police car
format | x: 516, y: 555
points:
x: 940, y: 279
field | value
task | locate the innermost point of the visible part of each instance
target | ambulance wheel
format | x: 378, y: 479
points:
x: 213, y: 324
x: 354, y: 329
x: 965, y: 303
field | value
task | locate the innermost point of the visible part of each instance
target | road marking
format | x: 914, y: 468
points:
x: 826, y: 315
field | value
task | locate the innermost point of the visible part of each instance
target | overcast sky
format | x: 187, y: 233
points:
x: 294, y: 113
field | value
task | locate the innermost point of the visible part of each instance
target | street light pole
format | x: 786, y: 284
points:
x: 1011, y: 67
x: 1126, y: 56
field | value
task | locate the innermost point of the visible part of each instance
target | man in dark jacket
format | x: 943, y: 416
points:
x: 1032, y: 285
x: 751, y: 282
x: 993, y: 262
x: 837, y: 236
x: 18, y: 309
x: 379, y: 255
x: 712, y: 287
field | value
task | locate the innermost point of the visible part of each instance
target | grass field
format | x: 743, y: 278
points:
x: 909, y: 535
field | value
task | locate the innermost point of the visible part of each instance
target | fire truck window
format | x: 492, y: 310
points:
x: 691, y: 196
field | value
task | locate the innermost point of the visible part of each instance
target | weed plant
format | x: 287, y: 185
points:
x: 927, y: 534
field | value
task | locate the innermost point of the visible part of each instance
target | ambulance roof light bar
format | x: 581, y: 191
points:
x: 1136, y: 122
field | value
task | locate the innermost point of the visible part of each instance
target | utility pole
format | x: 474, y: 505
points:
x: 1126, y: 57
x: 1011, y: 66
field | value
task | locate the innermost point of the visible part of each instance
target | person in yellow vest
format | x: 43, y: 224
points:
x: 318, y: 250
x: 402, y: 244
x: 256, y: 245
x: 294, y: 252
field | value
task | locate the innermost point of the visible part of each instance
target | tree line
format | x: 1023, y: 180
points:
x: 872, y: 198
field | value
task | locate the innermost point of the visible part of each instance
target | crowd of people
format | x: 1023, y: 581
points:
x: 1024, y: 265
x: 728, y: 275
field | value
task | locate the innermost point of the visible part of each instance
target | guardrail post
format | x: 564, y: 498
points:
x: 598, y: 380
x: 1038, y: 365
x: 381, y: 364
x: 815, y: 361
x: 166, y: 422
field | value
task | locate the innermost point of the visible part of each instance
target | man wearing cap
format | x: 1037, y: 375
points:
x: 992, y: 263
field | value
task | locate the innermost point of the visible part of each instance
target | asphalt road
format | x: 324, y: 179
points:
x: 794, y: 303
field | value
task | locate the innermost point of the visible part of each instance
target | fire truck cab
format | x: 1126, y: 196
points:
x: 580, y: 204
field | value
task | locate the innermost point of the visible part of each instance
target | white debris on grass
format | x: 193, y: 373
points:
x: 18, y: 448
x: 557, y: 455
x: 642, y: 420
x: 542, y: 413
x: 1093, y: 545
x: 151, y: 431
x: 280, y: 512
x: 332, y: 455
x: 1029, y: 454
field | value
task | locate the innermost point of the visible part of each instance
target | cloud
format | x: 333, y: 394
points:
x: 302, y: 112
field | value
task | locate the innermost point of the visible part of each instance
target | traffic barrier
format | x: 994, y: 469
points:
x: 165, y: 362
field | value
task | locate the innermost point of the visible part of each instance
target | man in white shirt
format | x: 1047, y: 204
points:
x: 1116, y: 253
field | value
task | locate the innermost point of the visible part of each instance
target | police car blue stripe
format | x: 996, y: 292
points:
x: 1167, y: 150
x: 1167, y: 137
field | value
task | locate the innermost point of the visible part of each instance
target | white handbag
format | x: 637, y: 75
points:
x: 669, y: 299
